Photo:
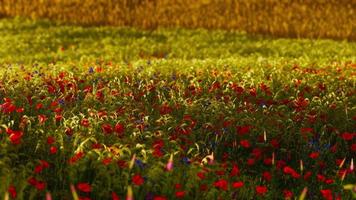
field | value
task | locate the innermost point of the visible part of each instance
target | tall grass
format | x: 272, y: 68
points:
x: 287, y: 18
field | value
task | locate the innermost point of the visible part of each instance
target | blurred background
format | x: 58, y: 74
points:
x: 334, y: 19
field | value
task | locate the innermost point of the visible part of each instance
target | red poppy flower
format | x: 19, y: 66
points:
x: 96, y: 146
x: 342, y: 172
x: 38, y: 169
x: 275, y: 143
x: 157, y: 153
x: 39, y: 106
x: 119, y: 129
x: 106, y: 161
x: 314, y: 155
x: 102, y: 114
x: 322, y: 164
x: 227, y: 123
x: 221, y: 184
x: 201, y: 175
x: 32, y: 181
x: 251, y: 161
x: 122, y: 164
x: 84, y: 122
x: 235, y: 171
x: 261, y: 190
x: 114, y: 196
x: 69, y: 131
x: 76, y: 157
x: 137, y: 179
x: 329, y: 181
x: 40, y: 185
x: 327, y: 194
x: 347, y: 136
x: 237, y: 184
x: 333, y: 149
x: 242, y: 130
x: 320, y: 177
x: 159, y: 198
x: 267, y: 176
x: 178, y: 186
x: 58, y: 117
x: 300, y: 103
x: 88, y: 89
x: 267, y: 161
x: 53, y: 150
x: 84, y: 198
x: 12, y: 191
x: 42, y: 118
x: 15, y: 136
x: 203, y: 187
x: 288, y: 170
x: 287, y: 194
x: 29, y: 99
x: 306, y: 130
x: 253, y: 92
x: 99, y: 95
x: 257, y: 153
x: 237, y: 89
x: 50, y: 140
x: 106, y: 128
x: 165, y: 109
x: 338, y: 161
x: 44, y: 163
x: 295, y: 175
x: 245, y: 143
x: 265, y: 88
x: 353, y: 147
x: 99, y: 69
x: 159, y: 143
x: 84, y: 187
x: 307, y: 175
x: 8, y: 107
x: 54, y: 103
x: 180, y: 194
x: 20, y: 110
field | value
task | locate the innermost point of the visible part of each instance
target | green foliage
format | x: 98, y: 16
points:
x: 28, y: 42
x: 215, y: 100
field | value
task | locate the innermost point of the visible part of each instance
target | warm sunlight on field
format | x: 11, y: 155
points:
x: 311, y: 18
x: 178, y: 100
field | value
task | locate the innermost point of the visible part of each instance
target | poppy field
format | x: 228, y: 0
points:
x: 120, y: 113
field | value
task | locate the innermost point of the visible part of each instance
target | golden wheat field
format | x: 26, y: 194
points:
x: 288, y: 18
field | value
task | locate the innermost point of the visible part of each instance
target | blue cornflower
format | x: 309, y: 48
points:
x: 186, y: 160
x: 61, y: 101
x: 91, y: 70
x: 140, y: 121
x: 263, y: 104
x: 327, y: 146
x: 139, y: 163
x: 224, y: 130
x: 213, y: 144
x: 174, y: 77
